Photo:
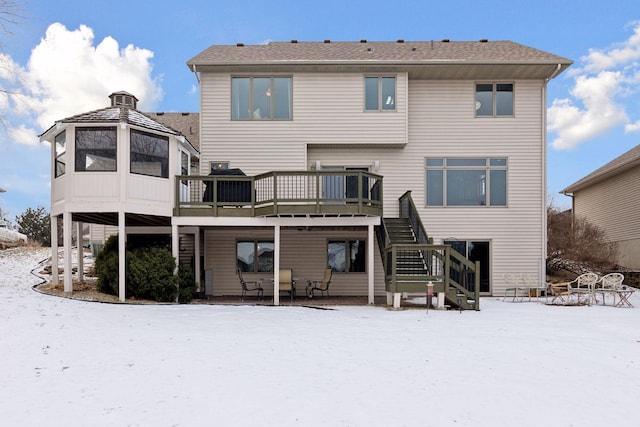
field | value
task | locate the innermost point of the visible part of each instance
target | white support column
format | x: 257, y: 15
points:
x: 198, y: 267
x: 396, y: 299
x: 175, y: 249
x: 370, y: 263
x: 122, y: 252
x: 67, y: 228
x: 54, y: 250
x: 80, y: 243
x: 440, y: 305
x: 276, y: 265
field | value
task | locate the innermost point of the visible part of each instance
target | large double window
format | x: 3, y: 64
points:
x: 494, y: 99
x: 261, y: 98
x: 96, y: 149
x: 255, y: 256
x: 60, y: 141
x: 380, y: 93
x: 466, y: 181
x: 346, y: 256
x: 149, y: 154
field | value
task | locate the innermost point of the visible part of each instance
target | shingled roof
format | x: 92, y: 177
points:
x: 120, y: 114
x: 381, y: 52
x: 618, y: 165
x: 185, y: 124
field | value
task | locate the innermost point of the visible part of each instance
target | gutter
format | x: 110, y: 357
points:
x: 193, y: 68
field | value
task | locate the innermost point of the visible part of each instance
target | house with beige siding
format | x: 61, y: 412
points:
x: 609, y: 198
x: 396, y: 164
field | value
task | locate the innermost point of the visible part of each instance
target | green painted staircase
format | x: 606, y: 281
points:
x: 411, y: 260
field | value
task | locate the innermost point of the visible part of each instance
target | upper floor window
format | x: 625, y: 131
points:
x: 494, y: 99
x: 149, y: 154
x: 261, y: 98
x: 96, y: 149
x: 466, y: 182
x: 379, y: 93
x: 60, y: 141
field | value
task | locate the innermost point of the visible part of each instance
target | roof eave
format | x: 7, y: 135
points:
x: 589, y: 180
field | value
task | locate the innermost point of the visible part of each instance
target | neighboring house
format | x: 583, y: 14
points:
x: 609, y: 198
x: 394, y: 163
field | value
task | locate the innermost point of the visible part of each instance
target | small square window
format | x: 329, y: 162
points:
x: 494, y: 99
x: 380, y: 93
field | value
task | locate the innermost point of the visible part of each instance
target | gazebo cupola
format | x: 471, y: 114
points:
x: 123, y: 99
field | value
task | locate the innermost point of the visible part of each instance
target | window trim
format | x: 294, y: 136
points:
x: 271, y: 89
x: 60, y: 158
x: 494, y: 103
x: 256, y: 264
x: 488, y: 168
x: 347, y: 254
x: 380, y: 102
x: 76, y: 150
x: 159, y: 137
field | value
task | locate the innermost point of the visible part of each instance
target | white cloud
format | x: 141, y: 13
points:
x: 573, y: 124
x: 632, y: 127
x: 618, y: 55
x: 67, y: 74
x: 23, y: 135
x: 601, y: 84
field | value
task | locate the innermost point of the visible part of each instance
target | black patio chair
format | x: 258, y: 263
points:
x: 255, y: 285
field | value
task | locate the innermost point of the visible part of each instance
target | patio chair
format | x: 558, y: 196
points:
x: 535, y: 287
x: 610, y: 285
x: 515, y: 286
x: 320, y: 285
x: 250, y: 286
x: 287, y: 284
x: 584, y: 285
x: 560, y: 293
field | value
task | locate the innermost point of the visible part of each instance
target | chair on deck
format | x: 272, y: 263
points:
x: 250, y: 286
x: 287, y: 284
x: 320, y: 285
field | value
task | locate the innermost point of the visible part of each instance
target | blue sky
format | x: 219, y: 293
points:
x: 66, y: 56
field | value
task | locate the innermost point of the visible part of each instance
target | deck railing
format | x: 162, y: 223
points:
x: 280, y: 193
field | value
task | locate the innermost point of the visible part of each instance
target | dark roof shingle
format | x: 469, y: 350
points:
x: 427, y: 52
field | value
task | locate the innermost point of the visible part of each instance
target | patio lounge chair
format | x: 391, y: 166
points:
x: 250, y: 286
x: 320, y: 285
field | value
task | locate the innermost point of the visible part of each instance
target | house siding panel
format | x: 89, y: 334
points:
x: 442, y: 124
x: 258, y: 146
x: 613, y: 206
x: 303, y: 251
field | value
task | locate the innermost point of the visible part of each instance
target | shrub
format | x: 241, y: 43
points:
x: 150, y: 273
x: 576, y: 240
x: 106, y: 266
x: 186, y: 284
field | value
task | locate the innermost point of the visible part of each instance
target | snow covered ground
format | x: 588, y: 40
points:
x: 72, y: 363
